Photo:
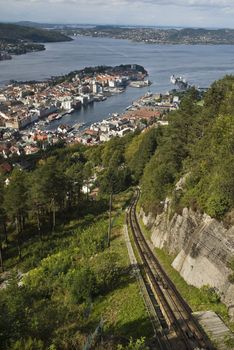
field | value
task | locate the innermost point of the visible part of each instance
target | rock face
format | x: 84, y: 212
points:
x: 202, y: 246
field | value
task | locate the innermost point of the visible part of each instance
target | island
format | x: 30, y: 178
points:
x: 17, y: 39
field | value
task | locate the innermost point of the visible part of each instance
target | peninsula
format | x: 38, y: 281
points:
x: 17, y: 39
x: 24, y: 103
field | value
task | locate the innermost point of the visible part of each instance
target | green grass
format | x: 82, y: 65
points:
x: 146, y: 232
x: 123, y: 312
x: 198, y: 299
x: 123, y: 309
x: 201, y: 103
x: 34, y: 250
x: 121, y: 306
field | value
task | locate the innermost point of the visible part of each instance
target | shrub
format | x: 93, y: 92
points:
x: 83, y: 285
x: 139, y: 344
x: 28, y: 344
x: 212, y: 295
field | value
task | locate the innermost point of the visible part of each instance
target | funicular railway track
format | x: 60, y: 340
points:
x: 180, y: 323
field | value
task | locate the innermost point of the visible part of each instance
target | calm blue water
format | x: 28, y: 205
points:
x: 200, y: 65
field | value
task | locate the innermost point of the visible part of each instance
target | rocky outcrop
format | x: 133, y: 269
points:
x: 202, y: 247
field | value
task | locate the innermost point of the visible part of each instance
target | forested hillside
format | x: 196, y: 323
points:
x: 60, y: 278
x: 198, y: 143
x: 12, y: 33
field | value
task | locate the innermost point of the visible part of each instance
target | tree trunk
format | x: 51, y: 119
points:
x: 54, y: 218
x: 70, y: 199
x: 109, y: 228
x: 19, y: 248
x: 23, y: 222
x: 39, y: 225
x: 1, y: 258
x: 53, y: 215
x: 17, y: 224
x: 5, y: 231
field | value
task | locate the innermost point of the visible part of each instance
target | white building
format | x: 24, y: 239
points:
x: 104, y: 137
x: 124, y: 132
x: 3, y: 98
x: 112, y: 83
x: 67, y: 104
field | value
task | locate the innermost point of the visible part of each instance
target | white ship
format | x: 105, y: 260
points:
x: 70, y: 111
x: 180, y: 82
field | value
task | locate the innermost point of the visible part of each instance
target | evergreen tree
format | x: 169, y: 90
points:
x: 15, y: 202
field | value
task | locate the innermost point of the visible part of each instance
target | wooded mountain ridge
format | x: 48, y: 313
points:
x: 13, y: 33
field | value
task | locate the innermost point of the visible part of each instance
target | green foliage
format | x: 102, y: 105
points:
x: 94, y: 154
x: 133, y: 147
x: 94, y: 239
x: 231, y: 264
x: 107, y: 271
x: 82, y: 285
x: 28, y: 344
x: 113, y: 152
x: 114, y: 179
x: 139, y: 344
x: 56, y: 290
x: 140, y: 151
x: 116, y: 176
x: 202, y: 299
x: 217, y: 205
x: 71, y: 289
x: 165, y: 165
x: 199, y: 141
x: 73, y: 270
x: 124, y: 160
x: 229, y: 342
x: 211, y: 294
x: 231, y: 276
x: 16, y: 194
x: 13, y: 32
x: 219, y: 98
x: 211, y: 181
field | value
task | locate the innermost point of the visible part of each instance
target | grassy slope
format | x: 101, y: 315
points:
x: 123, y: 309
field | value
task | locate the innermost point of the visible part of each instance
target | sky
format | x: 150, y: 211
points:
x: 182, y: 13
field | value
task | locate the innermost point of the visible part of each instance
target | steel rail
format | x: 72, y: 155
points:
x: 176, y: 311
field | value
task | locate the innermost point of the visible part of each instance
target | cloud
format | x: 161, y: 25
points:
x: 195, y: 3
x: 204, y: 13
x: 184, y: 3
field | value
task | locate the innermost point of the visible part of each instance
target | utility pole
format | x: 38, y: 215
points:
x: 109, y: 228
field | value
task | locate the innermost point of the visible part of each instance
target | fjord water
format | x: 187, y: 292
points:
x: 199, y: 64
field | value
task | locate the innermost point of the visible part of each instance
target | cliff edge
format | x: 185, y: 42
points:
x: 203, y: 248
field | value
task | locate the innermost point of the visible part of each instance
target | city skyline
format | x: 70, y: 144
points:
x: 180, y: 13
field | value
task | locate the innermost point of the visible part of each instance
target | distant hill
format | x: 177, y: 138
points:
x: 39, y: 25
x: 152, y: 35
x: 14, y: 33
